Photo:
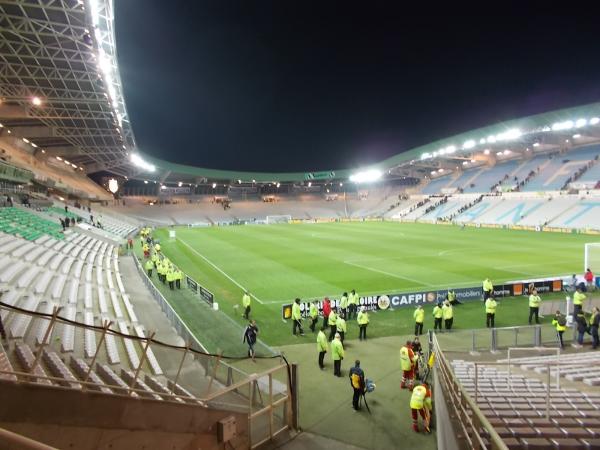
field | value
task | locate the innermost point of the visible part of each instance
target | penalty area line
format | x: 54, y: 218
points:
x: 219, y: 269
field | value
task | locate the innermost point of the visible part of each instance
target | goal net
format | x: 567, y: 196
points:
x: 592, y: 257
x: 279, y: 219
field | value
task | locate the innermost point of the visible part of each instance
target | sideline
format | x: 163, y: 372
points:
x: 219, y: 269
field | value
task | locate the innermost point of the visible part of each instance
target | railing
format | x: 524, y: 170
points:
x: 14, y: 440
x: 265, y: 397
x: 494, y: 339
x: 473, y: 425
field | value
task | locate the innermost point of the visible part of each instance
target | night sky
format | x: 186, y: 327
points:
x: 299, y: 86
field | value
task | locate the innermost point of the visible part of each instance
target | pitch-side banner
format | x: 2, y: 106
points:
x: 432, y: 297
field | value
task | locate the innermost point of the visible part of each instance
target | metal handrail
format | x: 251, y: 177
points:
x: 21, y: 441
x: 462, y: 403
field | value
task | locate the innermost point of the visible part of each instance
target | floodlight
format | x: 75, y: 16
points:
x: 465, y: 163
x: 594, y: 120
x: 566, y: 125
x: 507, y: 152
x: 309, y: 183
x: 536, y: 144
x: 59, y: 158
x: 139, y: 162
x: 469, y: 144
x: 433, y: 172
x: 214, y: 185
x: 486, y: 151
x: 145, y: 181
x: 113, y: 185
x: 367, y: 176
x: 576, y: 136
x: 36, y: 101
x: 26, y: 140
x: 580, y: 123
x: 441, y: 170
x: 180, y: 184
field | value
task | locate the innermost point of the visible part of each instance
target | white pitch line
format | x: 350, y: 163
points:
x: 219, y: 269
x: 385, y: 273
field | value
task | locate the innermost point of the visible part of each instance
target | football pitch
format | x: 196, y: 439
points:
x: 278, y: 263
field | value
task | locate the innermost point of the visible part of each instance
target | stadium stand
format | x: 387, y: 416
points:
x: 516, y: 406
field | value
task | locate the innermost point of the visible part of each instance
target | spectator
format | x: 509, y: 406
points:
x: 249, y: 338
x: 589, y: 279
x: 582, y: 326
x: 594, y: 324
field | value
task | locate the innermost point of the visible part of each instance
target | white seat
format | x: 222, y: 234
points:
x: 116, y: 265
x: 42, y: 283
x: 116, y: 306
x: 100, y: 260
x: 66, y: 267
x: 11, y: 271
x: 59, y: 245
x: 10, y: 246
x: 35, y: 253
x: 87, y: 301
x: 27, y: 277
x: 59, y: 284
x: 129, y: 308
x: 43, y: 260
x: 68, y: 248
x: 88, y: 273
x: 109, y: 280
x: 10, y: 298
x: 149, y: 353
x: 89, y: 336
x: 76, y: 251
x: 91, y: 257
x: 42, y: 324
x: 102, y: 300
x: 120, y: 283
x: 42, y: 239
x: 56, y: 261
x: 99, y: 278
x: 68, y: 331
x: 5, y: 260
x: 19, y: 325
x: 73, y: 289
x: 111, y: 348
x: 84, y: 254
x: 23, y: 249
x: 78, y: 268
x: 134, y: 359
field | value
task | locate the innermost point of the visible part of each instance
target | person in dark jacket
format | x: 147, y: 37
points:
x: 250, y: 334
x: 594, y: 324
x: 582, y: 326
x: 357, y: 381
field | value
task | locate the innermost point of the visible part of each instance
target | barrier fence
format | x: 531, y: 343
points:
x: 193, y: 377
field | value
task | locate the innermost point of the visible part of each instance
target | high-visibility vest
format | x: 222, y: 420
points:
x: 558, y: 326
x: 353, y: 299
x: 406, y: 358
x: 438, y: 312
x: 419, y: 315
x: 321, y: 342
x: 344, y: 302
x: 314, y: 311
x: 337, y: 350
x: 340, y: 325
x: 362, y: 318
x: 246, y: 300
x: 417, y: 398
x: 534, y: 301
x: 490, y: 306
x: 296, y: 313
x: 332, y: 319
x: 578, y: 298
x: 448, y: 311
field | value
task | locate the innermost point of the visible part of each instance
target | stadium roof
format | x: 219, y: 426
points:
x: 59, y: 83
x: 541, y: 132
x: 60, y: 91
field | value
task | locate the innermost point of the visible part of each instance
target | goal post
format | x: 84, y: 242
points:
x: 591, y: 258
x: 280, y: 219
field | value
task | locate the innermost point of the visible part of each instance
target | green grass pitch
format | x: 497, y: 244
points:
x: 280, y: 262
